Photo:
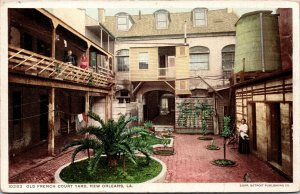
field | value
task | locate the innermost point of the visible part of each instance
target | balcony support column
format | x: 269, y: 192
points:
x: 51, y: 121
x: 53, y: 39
x: 108, y: 107
x: 87, y: 102
x: 101, y: 36
x: 108, y: 43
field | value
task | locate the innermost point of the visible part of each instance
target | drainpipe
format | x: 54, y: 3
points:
x: 262, y: 42
x: 184, y: 32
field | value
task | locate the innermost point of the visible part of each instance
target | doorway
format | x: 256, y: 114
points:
x: 275, y: 124
x: 44, y: 117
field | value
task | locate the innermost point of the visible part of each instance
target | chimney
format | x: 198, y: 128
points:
x: 229, y: 10
x: 101, y: 15
x: 140, y: 15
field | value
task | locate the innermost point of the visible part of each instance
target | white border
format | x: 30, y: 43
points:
x: 170, y: 187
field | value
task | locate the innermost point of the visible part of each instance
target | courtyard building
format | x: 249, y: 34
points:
x: 46, y: 94
x: 165, y: 59
x: 263, y: 85
x: 159, y: 67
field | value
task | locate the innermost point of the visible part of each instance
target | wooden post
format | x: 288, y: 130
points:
x: 108, y: 43
x: 51, y: 131
x: 87, y: 102
x: 101, y: 36
x: 53, y: 39
x: 86, y: 110
x: 108, y: 107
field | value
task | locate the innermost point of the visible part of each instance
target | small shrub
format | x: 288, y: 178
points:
x: 224, y: 162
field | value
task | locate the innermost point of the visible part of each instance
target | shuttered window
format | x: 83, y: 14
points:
x: 199, y: 58
x: 122, y: 60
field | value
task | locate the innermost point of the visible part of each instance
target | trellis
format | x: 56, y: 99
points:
x: 188, y: 115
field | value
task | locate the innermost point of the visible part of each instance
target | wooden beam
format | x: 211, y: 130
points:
x: 135, y: 89
x: 40, y: 81
x: 46, y: 67
x: 24, y: 61
x: 51, y: 127
x: 35, y: 65
x: 169, y: 85
x: 211, y: 87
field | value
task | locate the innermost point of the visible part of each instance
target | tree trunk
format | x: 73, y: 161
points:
x: 112, y: 160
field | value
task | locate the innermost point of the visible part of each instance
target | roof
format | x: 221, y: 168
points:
x: 219, y: 21
x: 268, y: 76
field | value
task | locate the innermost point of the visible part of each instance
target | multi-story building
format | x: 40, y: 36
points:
x: 164, y: 59
x: 46, y: 93
x: 263, y: 88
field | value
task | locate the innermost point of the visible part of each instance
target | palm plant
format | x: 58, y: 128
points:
x: 113, y: 139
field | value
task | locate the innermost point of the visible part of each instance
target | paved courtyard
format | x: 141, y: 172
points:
x: 191, y: 163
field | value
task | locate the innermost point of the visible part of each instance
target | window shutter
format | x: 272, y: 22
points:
x: 182, y: 51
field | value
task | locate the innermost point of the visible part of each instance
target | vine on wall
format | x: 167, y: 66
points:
x: 194, y: 114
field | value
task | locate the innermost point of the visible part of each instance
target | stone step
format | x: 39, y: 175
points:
x: 163, y: 127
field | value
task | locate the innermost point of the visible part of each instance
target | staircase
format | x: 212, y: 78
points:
x: 67, y: 127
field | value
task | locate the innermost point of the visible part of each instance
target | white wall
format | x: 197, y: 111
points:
x: 73, y: 17
x: 215, y: 45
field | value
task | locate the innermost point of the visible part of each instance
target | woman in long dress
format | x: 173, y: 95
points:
x: 243, y: 138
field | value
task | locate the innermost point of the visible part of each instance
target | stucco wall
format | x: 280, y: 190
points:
x: 215, y: 45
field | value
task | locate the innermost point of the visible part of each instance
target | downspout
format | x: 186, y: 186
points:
x: 184, y: 32
x: 262, y: 42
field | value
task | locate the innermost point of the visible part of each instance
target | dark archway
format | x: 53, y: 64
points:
x: 159, y: 107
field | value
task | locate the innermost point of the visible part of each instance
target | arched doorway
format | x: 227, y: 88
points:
x: 159, y: 107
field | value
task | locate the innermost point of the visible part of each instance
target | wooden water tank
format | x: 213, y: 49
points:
x: 257, y: 43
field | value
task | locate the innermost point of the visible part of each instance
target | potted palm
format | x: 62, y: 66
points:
x: 149, y: 125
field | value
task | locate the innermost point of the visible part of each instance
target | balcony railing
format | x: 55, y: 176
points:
x: 24, y: 61
x: 166, y: 72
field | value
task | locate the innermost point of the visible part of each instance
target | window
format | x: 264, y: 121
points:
x: 228, y: 57
x: 123, y: 60
x: 124, y: 22
x: 123, y: 96
x: 162, y: 19
x: 199, y: 57
x: 143, y: 60
x: 228, y: 60
x: 199, y: 17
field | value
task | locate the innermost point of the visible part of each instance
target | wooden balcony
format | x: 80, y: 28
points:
x: 27, y: 62
x: 165, y: 73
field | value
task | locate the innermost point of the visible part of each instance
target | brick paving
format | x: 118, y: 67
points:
x: 191, y: 163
